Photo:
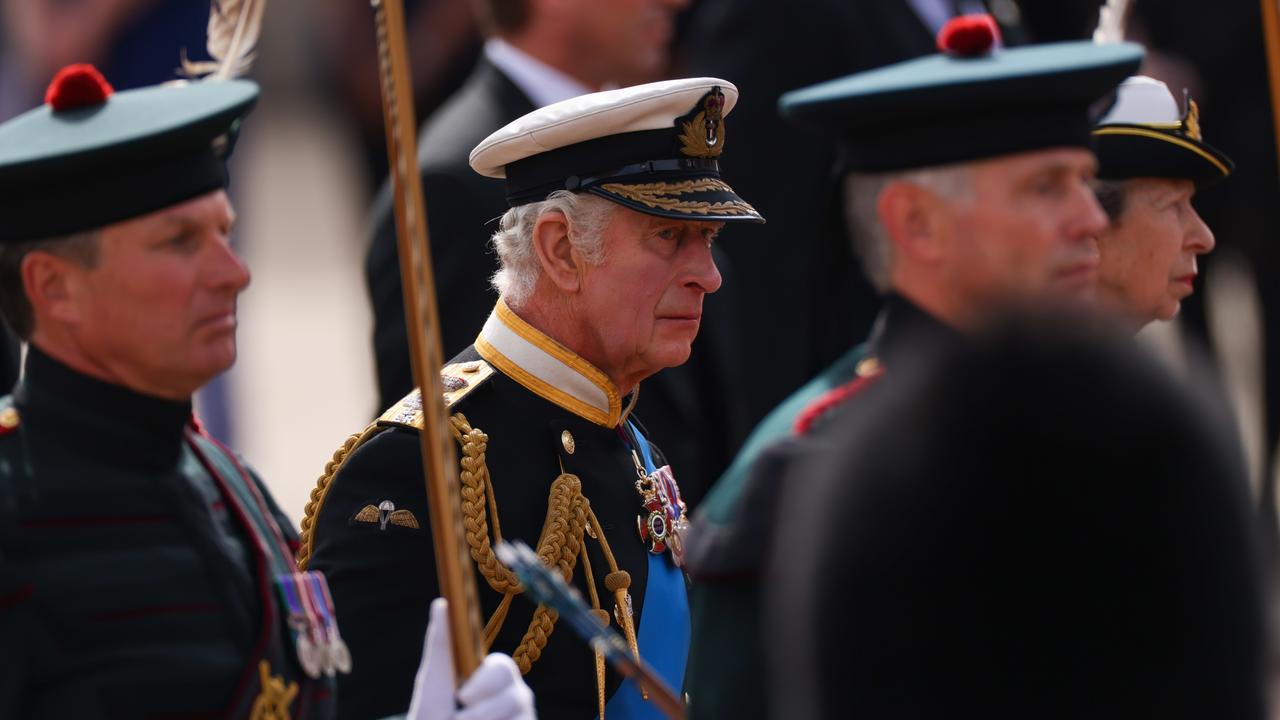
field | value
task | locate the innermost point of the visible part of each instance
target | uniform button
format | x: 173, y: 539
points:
x: 566, y: 439
x: 9, y: 418
x: 471, y: 367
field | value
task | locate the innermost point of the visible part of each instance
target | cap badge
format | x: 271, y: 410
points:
x: 702, y: 135
x: 1191, y: 123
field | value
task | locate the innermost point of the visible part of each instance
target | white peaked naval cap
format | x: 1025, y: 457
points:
x: 654, y: 148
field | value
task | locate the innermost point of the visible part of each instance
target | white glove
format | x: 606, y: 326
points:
x: 495, y: 691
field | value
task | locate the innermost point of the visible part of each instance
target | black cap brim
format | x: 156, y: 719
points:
x: 1133, y: 151
x: 69, y: 171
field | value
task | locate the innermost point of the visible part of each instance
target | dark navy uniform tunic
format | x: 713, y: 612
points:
x: 136, y: 563
x: 545, y: 411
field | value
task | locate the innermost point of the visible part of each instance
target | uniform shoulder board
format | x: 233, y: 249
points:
x: 457, y: 379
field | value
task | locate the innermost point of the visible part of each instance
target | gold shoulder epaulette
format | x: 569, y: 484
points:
x: 457, y: 380
x: 407, y: 412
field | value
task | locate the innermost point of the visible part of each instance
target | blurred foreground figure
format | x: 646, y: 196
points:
x: 1152, y: 160
x: 145, y: 571
x: 968, y: 185
x: 1040, y: 523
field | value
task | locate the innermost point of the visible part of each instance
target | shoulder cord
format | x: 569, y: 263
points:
x: 306, y: 538
x: 569, y: 517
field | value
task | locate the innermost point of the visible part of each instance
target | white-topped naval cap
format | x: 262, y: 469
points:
x: 1142, y: 100
x: 654, y: 106
x: 1149, y: 133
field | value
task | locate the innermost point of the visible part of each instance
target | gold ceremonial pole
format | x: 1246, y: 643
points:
x: 1271, y: 30
x: 439, y: 461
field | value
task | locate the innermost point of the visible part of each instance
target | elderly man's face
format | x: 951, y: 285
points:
x: 158, y: 311
x: 1028, y: 229
x: 1149, y: 253
x: 643, y: 302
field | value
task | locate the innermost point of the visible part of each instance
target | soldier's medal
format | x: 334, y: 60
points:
x: 302, y: 624
x: 339, y: 653
x: 309, y: 656
x: 322, y: 627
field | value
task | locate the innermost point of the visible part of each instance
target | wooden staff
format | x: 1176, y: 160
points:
x: 1271, y: 30
x: 439, y: 461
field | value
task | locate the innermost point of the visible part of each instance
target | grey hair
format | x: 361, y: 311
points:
x: 15, y: 307
x: 870, y: 239
x: 518, y: 270
x: 1112, y: 196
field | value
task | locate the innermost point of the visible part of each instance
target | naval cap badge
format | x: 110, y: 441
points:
x: 702, y: 130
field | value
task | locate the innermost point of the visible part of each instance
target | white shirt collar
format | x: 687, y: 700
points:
x: 548, y: 369
x: 539, y: 81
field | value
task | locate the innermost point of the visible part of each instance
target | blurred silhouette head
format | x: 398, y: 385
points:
x: 1039, y: 523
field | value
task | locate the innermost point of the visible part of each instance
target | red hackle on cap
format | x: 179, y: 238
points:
x: 77, y: 86
x: 969, y: 36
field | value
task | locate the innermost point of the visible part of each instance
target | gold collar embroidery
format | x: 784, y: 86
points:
x: 549, y: 369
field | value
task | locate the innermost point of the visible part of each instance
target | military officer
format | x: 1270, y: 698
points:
x: 605, y: 258
x: 145, y: 571
x: 967, y: 187
x: 1152, y: 160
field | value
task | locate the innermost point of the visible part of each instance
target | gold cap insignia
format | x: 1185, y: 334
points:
x: 702, y: 131
x: 1191, y: 123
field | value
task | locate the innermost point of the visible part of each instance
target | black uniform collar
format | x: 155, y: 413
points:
x: 108, y: 421
x: 903, y: 329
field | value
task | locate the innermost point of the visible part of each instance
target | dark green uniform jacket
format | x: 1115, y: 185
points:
x: 546, y: 413
x: 136, y: 563
x: 734, y: 529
